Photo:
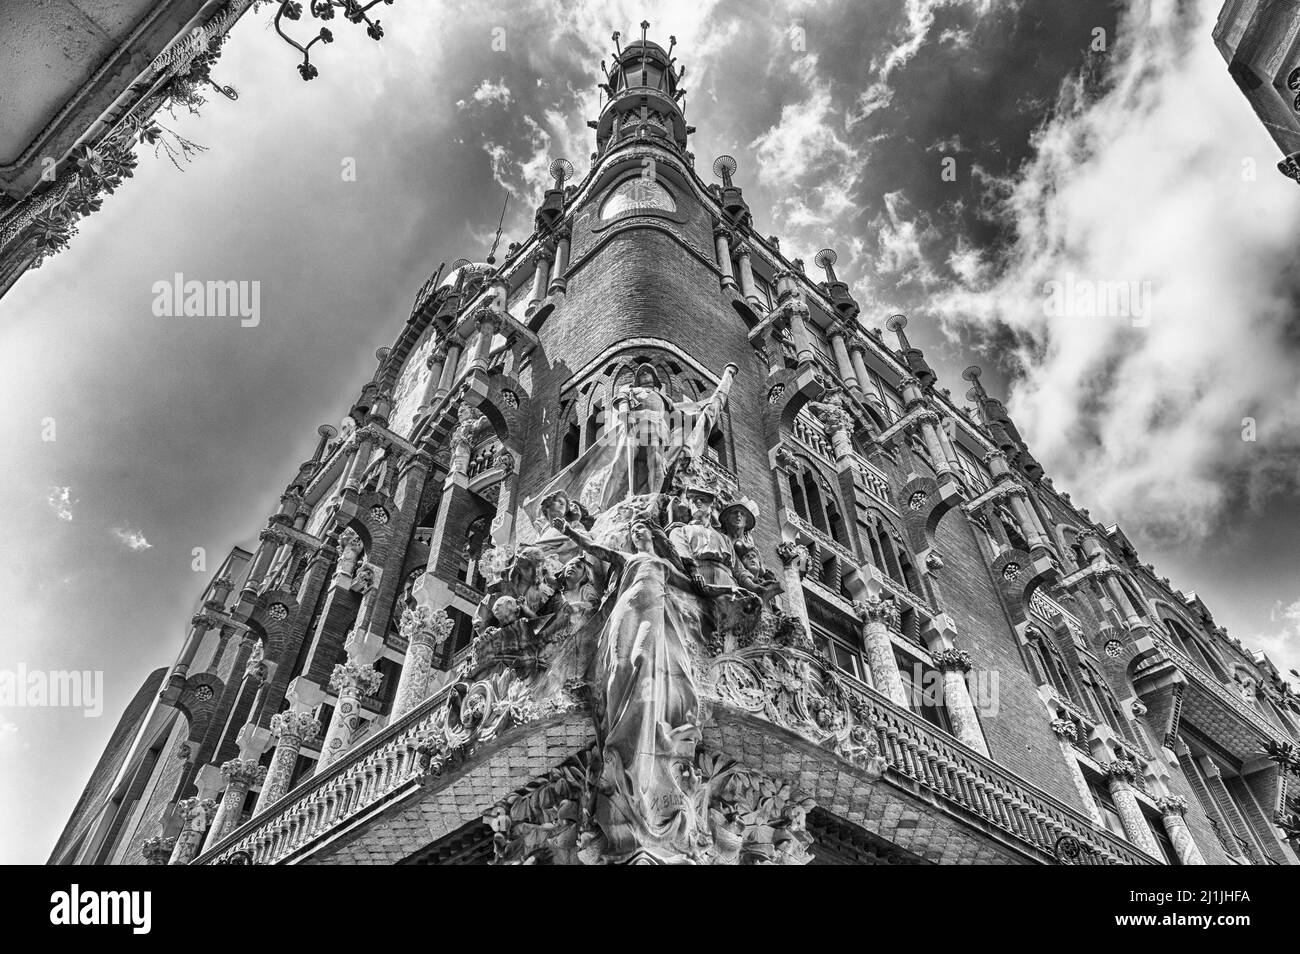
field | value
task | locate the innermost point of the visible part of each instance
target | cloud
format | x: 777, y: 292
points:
x: 133, y: 540
x: 1123, y: 188
x: 60, y: 501
x: 488, y: 92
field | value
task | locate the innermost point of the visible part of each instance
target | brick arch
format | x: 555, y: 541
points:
x: 273, y: 632
x: 198, y: 712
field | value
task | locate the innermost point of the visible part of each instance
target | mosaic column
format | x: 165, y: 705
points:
x: 425, y: 629
x: 351, y: 680
x: 293, y: 730
x: 794, y: 559
x: 157, y: 850
x: 953, y: 664
x: 195, y: 814
x: 878, y: 617
x: 1120, y: 776
x: 240, y: 775
x: 1173, y: 812
x: 1066, y: 733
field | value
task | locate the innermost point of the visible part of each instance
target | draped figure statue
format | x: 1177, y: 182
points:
x: 648, y: 714
x: 649, y: 434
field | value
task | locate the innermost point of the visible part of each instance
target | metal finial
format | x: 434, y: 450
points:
x: 561, y: 170
x: 327, y: 431
x: 826, y: 259
x: 724, y: 167
x: 972, y: 374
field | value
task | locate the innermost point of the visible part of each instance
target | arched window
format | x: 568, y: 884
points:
x: 1194, y: 646
x: 1011, y: 526
x: 1103, y: 700
x: 814, y: 500
x: 476, y: 541
x: 889, y: 556
x: 1050, y: 662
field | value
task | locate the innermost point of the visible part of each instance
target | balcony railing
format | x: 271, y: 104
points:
x: 376, y: 768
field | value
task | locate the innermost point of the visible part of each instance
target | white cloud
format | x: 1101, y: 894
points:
x: 1132, y: 186
x: 488, y: 92
x: 133, y: 540
x: 60, y: 501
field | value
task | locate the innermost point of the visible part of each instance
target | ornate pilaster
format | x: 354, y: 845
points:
x: 1120, y: 777
x: 878, y: 617
x: 425, y: 629
x: 794, y: 560
x: 195, y: 814
x: 1067, y: 733
x: 953, y: 664
x: 351, y: 680
x: 1173, y: 811
x: 293, y: 730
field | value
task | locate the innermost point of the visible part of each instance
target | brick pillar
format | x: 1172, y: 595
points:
x: 1173, y: 809
x: 878, y: 617
x: 953, y: 664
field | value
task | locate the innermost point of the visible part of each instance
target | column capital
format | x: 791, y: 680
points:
x: 157, y: 850
x: 353, y: 678
x: 425, y: 625
x: 1172, y: 805
x: 952, y: 659
x: 875, y: 609
x: 242, y: 772
x: 290, y: 726
x: 1065, y: 729
x: 792, y: 553
x: 1120, y: 770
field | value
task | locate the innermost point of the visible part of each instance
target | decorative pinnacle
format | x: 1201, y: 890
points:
x: 724, y: 167
x: 826, y: 259
x: 560, y: 170
x: 896, y: 324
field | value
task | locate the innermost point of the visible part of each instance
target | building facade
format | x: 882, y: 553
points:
x: 643, y: 545
x: 1260, y: 40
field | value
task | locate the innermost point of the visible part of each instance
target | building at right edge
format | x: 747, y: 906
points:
x: 1260, y: 39
x: 643, y: 545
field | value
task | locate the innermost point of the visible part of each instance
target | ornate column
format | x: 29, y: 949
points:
x: 1066, y: 733
x: 878, y: 617
x: 559, y: 280
x: 542, y: 257
x: 424, y: 630
x: 292, y: 729
x: 1120, y: 598
x: 842, y: 362
x: 503, y: 523
x: 722, y: 242
x: 953, y: 664
x: 747, y: 286
x: 857, y: 357
x: 1173, y: 811
x: 794, y: 560
x: 366, y: 438
x: 157, y: 850
x: 797, y: 314
x: 435, y: 362
x: 1120, y: 776
x: 195, y: 814
x: 199, y: 627
x: 240, y: 775
x: 487, y: 321
x: 449, y: 369
x: 351, y: 680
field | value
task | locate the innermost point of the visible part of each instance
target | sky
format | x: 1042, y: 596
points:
x: 1085, y: 141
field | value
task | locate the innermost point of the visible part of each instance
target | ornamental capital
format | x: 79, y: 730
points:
x: 993, y: 455
x: 952, y: 659
x: 157, y: 850
x: 792, y: 553
x: 425, y: 625
x: 1121, y: 770
x: 926, y: 416
x: 1065, y: 729
x: 302, y: 726
x: 875, y: 609
x: 543, y: 253
x: 1172, y: 805
x: 196, y: 813
x: 354, y: 679
x: 486, y: 316
x: 201, y: 620
x: 271, y: 535
x: 242, y: 772
x: 721, y: 231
